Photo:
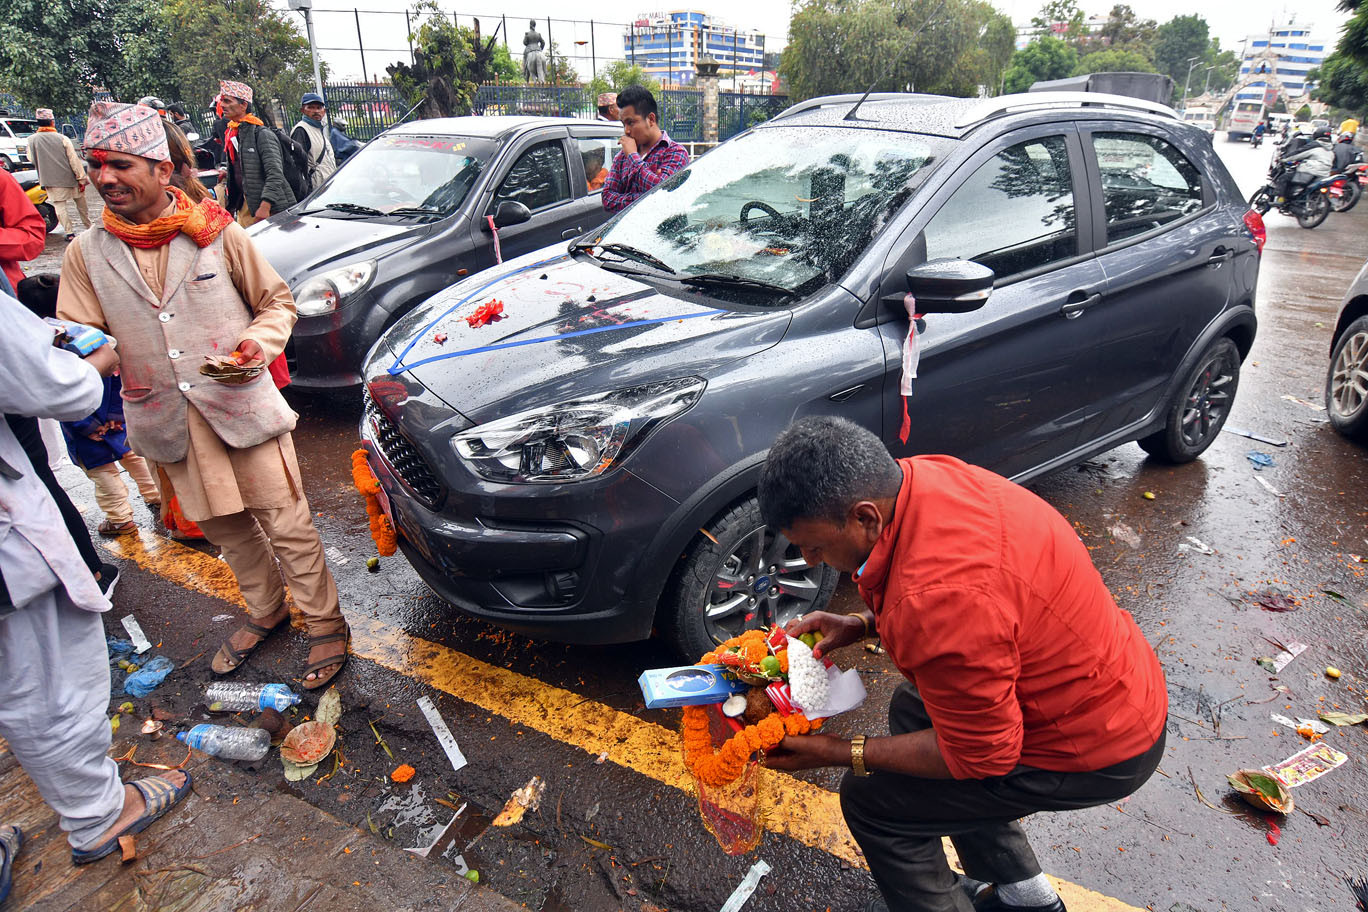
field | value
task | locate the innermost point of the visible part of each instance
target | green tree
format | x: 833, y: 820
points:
x: 1176, y: 42
x: 244, y: 40
x: 1341, y: 83
x: 449, y: 64
x: 560, y: 69
x: 53, y: 53
x: 1303, y: 114
x: 895, y: 45
x: 1113, y: 60
x: 618, y: 75
x: 1044, y: 58
x: 1062, y: 19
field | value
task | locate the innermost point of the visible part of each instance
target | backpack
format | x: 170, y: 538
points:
x: 295, y: 158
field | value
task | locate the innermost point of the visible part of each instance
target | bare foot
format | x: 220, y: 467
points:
x: 134, y: 804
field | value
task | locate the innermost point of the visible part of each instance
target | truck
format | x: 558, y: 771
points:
x: 1153, y: 87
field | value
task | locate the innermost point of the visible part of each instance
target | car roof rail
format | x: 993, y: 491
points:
x: 825, y: 101
x: 1010, y: 104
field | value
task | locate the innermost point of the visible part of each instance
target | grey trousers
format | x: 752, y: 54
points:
x: 54, y: 692
x: 899, y: 820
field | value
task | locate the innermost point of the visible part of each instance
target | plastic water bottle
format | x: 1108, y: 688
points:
x: 229, y: 696
x: 228, y: 742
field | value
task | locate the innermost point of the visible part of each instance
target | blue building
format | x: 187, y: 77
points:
x: 667, y: 45
x: 1286, y: 53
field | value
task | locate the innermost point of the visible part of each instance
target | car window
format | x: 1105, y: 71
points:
x: 1146, y: 183
x: 597, y: 153
x: 538, y: 178
x: 1016, y: 212
x: 399, y: 171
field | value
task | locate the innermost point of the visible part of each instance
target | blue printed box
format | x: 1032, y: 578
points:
x: 688, y: 685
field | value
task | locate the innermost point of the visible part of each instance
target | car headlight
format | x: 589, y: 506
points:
x: 574, y: 440
x: 326, y: 291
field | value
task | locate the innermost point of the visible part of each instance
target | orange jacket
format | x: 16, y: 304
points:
x: 988, y: 602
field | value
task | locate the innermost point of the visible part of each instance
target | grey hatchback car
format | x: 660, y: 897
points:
x: 583, y: 466
x: 410, y: 214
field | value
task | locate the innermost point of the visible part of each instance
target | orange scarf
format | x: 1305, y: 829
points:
x: 246, y: 118
x: 230, y: 135
x: 202, y: 222
x: 47, y: 129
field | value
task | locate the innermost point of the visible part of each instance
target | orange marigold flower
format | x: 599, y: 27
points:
x: 403, y: 773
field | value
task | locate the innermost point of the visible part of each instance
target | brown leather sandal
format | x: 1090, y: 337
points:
x: 227, y: 659
x: 338, y: 659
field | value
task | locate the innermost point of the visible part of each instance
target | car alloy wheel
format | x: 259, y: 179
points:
x: 1346, y: 385
x: 1209, y: 399
x: 763, y: 581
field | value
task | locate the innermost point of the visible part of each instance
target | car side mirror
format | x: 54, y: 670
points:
x: 510, y: 212
x: 950, y: 286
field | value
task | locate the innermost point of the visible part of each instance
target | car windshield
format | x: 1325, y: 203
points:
x: 778, y: 207
x: 22, y: 128
x: 409, y: 173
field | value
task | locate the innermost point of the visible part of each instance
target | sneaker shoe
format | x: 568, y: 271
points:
x: 109, y: 578
x: 988, y: 902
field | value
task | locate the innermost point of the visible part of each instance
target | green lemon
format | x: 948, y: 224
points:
x: 809, y: 639
x: 770, y: 665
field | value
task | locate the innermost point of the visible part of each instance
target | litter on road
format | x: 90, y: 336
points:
x: 444, y: 735
x: 149, y: 677
x: 1300, y: 401
x: 1262, y: 791
x: 140, y: 642
x: 1280, y: 661
x: 1271, y: 441
x: 1307, y: 765
x: 1271, y: 490
x: 1319, y: 728
x: 746, y: 887
x: 527, y: 798
x: 1197, y: 545
x: 1259, y: 460
x: 1339, y: 718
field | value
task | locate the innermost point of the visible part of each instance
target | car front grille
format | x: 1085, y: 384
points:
x: 401, y: 455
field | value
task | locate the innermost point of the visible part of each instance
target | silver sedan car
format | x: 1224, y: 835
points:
x: 1346, y: 383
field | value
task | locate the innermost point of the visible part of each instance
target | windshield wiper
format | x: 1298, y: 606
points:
x: 354, y: 208
x: 725, y: 280
x: 626, y: 251
x: 416, y: 211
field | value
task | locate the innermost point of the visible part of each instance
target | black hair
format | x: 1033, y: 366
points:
x: 176, y: 108
x: 39, y: 293
x: 604, y: 109
x: 638, y: 99
x: 43, y: 123
x: 821, y: 466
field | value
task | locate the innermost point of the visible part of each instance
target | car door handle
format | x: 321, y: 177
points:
x: 568, y: 233
x: 1078, y: 302
x: 1220, y: 255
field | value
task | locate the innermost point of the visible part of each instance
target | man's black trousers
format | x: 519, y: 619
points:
x: 899, y: 820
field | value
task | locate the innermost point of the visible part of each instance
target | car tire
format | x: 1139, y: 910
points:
x: 49, y: 215
x: 1199, y: 407
x: 1352, y: 192
x: 6, y: 162
x: 1346, y: 382
x: 725, y: 580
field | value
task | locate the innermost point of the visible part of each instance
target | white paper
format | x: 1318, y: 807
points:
x: 135, y: 633
x: 1316, y: 725
x: 1285, y: 657
x: 845, y: 690
x: 746, y: 887
x: 444, y: 735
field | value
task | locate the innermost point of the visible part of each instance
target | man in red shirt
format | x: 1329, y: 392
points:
x: 648, y: 154
x: 23, y: 233
x: 1027, y: 688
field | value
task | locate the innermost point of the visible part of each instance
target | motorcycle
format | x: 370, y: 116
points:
x: 1309, y: 204
x: 28, y: 182
x: 1256, y: 140
x: 1348, y: 187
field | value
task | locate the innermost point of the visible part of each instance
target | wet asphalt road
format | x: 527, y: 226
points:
x: 1160, y: 847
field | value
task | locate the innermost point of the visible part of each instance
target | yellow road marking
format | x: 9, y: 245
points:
x: 802, y: 811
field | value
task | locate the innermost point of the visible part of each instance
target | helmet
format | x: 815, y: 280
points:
x: 152, y: 101
x: 1321, y: 133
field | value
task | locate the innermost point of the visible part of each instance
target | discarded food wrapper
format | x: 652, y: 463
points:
x: 444, y: 735
x: 1262, y: 790
x: 1259, y: 460
x: 226, y: 369
x: 1307, y: 765
x: 149, y: 677
x: 1284, y: 658
x: 140, y: 642
x: 1338, y: 718
x: 1319, y: 728
x: 688, y: 685
x: 1197, y: 545
x: 746, y: 887
x: 525, y: 799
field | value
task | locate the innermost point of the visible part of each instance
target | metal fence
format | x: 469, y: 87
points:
x: 739, y: 111
x: 367, y: 109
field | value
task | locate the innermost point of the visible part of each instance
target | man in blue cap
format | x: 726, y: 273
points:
x: 312, y: 134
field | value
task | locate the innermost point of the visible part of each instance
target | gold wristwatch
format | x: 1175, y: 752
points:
x: 857, y: 764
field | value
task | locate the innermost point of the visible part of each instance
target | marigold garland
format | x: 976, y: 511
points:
x: 725, y: 764
x: 381, y: 529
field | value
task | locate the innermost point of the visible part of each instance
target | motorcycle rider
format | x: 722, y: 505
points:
x: 1346, y: 153
x: 1306, y: 163
x: 1258, y: 136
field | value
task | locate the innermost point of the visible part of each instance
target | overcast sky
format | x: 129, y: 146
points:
x: 383, y: 31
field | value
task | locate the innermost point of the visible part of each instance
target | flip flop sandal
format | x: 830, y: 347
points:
x: 160, y: 795
x: 11, y: 838
x: 338, y: 660
x: 238, y: 656
x: 113, y: 530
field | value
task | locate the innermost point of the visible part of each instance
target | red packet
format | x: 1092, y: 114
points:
x: 781, y: 698
x: 777, y: 638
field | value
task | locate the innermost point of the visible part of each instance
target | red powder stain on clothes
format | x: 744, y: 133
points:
x: 1274, y: 833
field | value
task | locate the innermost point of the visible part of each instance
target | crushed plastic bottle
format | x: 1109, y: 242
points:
x: 231, y: 696
x: 227, y: 742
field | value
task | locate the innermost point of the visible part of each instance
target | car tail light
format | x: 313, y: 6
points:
x: 1255, y: 223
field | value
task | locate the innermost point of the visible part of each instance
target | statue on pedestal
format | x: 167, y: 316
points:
x: 534, y: 62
